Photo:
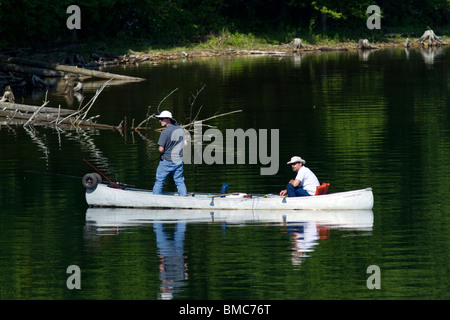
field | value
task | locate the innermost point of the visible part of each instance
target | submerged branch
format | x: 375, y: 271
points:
x: 47, y: 116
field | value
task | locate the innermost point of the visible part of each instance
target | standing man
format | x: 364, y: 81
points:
x: 171, y: 144
x: 305, y: 182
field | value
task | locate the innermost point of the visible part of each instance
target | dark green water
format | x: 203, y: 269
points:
x: 380, y: 121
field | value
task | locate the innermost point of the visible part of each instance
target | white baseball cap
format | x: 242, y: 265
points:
x: 296, y: 159
x: 166, y: 114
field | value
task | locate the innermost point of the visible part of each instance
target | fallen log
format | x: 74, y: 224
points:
x: 10, y: 117
x: 65, y: 69
x: 24, y: 69
x: 332, y: 49
x: 53, y: 117
x: 28, y: 108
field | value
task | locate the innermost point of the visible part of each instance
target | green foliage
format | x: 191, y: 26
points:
x: 179, y: 22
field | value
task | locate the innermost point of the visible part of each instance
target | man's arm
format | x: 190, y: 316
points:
x: 294, y: 182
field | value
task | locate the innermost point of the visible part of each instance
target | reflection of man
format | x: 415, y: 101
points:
x: 171, y: 144
x: 304, y: 238
x: 172, y: 267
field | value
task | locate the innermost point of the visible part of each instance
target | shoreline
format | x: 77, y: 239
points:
x: 82, y: 59
x: 66, y: 54
x: 283, y: 49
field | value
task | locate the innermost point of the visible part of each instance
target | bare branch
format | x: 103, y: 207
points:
x: 157, y: 109
x: 192, y: 102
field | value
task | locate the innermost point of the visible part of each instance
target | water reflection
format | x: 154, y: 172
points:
x: 123, y: 218
x: 172, y: 269
x: 362, y: 123
x: 37, y: 138
x: 364, y: 55
x: 42, y: 138
x: 304, y: 229
x: 304, y: 237
x: 430, y: 54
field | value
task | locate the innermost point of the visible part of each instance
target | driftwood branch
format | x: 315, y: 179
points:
x: 82, y: 113
x: 146, y: 120
x: 188, y: 126
x: 432, y: 38
x: 35, y: 114
x: 407, y: 43
x: 29, y: 108
x: 192, y: 102
x: 157, y: 109
x: 149, y: 116
x: 46, y: 116
x: 364, y: 44
x: 297, y: 43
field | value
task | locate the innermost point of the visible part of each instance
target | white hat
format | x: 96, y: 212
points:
x: 166, y: 114
x: 296, y: 159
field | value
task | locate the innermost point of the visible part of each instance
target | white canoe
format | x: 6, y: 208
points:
x: 125, y: 217
x: 104, y: 196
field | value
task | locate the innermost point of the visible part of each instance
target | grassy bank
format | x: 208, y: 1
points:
x: 226, y: 41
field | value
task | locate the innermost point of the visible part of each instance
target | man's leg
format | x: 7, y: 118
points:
x: 161, y: 175
x: 178, y: 178
x: 296, y: 191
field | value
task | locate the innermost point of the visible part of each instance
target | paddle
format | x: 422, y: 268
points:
x: 224, y: 194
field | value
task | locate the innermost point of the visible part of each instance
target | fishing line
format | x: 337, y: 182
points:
x: 54, y: 174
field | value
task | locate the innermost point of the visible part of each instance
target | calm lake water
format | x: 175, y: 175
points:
x: 379, y: 120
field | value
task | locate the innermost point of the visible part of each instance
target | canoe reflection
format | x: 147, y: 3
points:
x: 118, y: 217
x: 304, y: 229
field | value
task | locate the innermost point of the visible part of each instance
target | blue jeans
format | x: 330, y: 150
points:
x: 296, y: 191
x: 176, y: 169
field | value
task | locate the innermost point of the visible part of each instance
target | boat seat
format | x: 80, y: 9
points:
x: 322, y: 189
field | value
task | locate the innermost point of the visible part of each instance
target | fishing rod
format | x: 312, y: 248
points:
x: 71, y: 176
x: 101, y: 173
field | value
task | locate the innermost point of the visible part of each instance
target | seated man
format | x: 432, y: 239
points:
x: 305, y: 182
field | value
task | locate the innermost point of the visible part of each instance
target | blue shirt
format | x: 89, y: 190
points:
x: 172, y: 140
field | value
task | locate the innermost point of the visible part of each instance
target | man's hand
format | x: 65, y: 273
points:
x: 283, y: 192
x: 161, y: 152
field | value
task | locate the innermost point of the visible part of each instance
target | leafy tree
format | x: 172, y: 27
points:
x: 27, y: 22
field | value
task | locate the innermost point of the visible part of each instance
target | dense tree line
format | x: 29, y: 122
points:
x: 174, y: 21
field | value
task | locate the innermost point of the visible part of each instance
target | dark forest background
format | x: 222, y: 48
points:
x: 175, y: 22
